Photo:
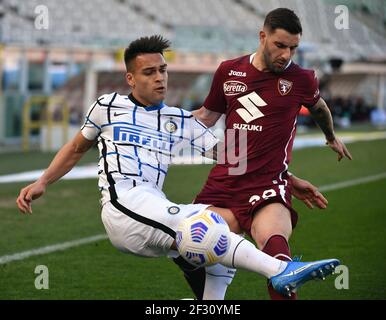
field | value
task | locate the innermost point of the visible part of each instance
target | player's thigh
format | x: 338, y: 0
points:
x: 229, y: 217
x: 144, y: 221
x: 272, y: 219
x: 135, y: 235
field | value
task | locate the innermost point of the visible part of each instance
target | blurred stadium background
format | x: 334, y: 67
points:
x: 51, y: 71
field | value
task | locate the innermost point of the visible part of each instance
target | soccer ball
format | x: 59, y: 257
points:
x: 203, y: 238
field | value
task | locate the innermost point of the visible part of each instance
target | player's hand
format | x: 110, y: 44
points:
x: 29, y: 193
x: 339, y: 147
x: 305, y: 191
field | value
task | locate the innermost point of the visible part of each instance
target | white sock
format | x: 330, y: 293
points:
x: 217, y: 279
x: 243, y: 254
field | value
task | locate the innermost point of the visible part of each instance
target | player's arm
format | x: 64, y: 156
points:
x: 206, y: 116
x: 212, y: 153
x: 63, y: 162
x: 202, y: 138
x: 322, y: 116
x: 209, y: 119
x: 305, y: 191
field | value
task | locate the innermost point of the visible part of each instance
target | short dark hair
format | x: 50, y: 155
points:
x: 152, y: 44
x: 283, y: 18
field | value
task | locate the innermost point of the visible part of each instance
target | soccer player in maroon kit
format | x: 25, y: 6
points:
x: 261, y: 94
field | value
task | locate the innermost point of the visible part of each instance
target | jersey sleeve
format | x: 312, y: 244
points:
x: 195, y: 136
x: 215, y: 101
x: 311, y: 93
x: 92, y: 125
x: 201, y: 138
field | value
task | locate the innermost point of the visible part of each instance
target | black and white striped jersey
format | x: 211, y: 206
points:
x: 136, y: 143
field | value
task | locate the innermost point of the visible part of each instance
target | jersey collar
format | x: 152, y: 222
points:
x: 147, y: 108
x: 253, y: 55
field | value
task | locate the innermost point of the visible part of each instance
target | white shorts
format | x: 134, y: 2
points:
x: 143, y: 221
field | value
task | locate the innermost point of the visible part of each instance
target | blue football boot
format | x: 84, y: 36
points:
x: 297, y: 273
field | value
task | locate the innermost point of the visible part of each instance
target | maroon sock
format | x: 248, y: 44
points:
x: 277, y: 246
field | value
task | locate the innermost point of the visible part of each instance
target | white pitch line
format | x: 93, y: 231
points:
x: 75, y: 243
x: 354, y: 182
x: 49, y: 249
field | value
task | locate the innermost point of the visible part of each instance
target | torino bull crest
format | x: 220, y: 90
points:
x: 203, y: 238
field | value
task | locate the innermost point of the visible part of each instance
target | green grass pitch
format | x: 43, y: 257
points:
x: 351, y: 229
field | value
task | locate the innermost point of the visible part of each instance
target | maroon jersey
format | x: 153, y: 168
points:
x: 265, y: 105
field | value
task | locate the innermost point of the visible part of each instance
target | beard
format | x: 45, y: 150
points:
x: 271, y: 66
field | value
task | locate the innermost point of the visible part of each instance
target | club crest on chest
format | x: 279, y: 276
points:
x: 284, y: 86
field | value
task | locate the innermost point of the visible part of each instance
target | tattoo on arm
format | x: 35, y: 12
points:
x: 322, y: 116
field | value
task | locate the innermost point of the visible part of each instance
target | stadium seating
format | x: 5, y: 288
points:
x: 77, y: 23
x: 203, y: 33
x: 321, y: 35
x: 194, y: 26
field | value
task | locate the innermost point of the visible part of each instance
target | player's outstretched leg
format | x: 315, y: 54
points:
x: 297, y: 273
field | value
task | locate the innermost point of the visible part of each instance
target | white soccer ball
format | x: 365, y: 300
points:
x: 203, y: 238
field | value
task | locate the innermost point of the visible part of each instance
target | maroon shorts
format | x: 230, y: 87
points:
x: 245, y: 203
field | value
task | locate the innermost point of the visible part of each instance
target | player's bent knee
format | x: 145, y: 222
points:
x: 262, y: 233
x: 273, y: 219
